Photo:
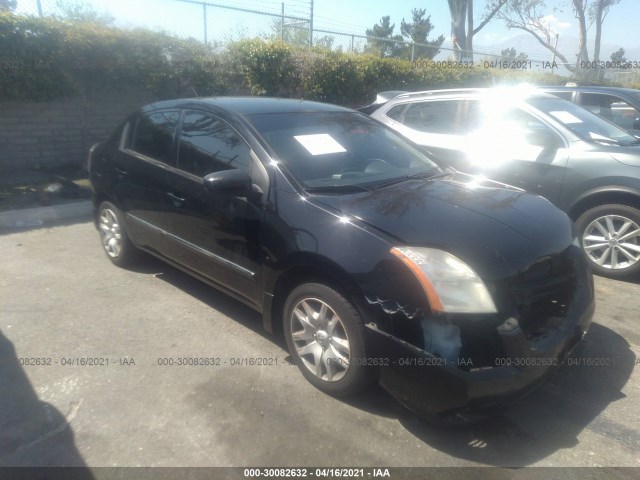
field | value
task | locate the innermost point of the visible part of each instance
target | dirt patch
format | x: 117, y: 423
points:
x: 35, y: 188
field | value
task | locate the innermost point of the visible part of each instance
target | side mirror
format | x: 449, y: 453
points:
x: 232, y: 182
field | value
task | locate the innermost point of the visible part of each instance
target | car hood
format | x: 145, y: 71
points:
x: 496, y: 229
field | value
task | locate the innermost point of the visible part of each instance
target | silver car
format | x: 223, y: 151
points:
x: 585, y: 165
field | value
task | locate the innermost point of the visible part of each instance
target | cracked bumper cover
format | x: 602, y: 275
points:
x: 427, y: 385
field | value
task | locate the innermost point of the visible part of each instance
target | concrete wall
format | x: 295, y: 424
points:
x: 61, y: 131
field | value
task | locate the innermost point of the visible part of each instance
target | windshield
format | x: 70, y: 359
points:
x: 583, y: 123
x: 340, y: 150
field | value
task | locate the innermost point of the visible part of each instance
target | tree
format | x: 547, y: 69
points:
x: 82, y: 12
x: 291, y: 33
x: 509, y: 55
x: 597, y: 13
x: 532, y: 17
x: 619, y: 56
x: 8, y: 5
x: 381, y: 40
x: 580, y: 7
x: 528, y: 15
x: 325, y: 42
x: 462, y: 24
x: 418, y: 31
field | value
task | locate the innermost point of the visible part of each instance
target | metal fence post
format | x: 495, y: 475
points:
x: 204, y: 16
x: 311, y: 26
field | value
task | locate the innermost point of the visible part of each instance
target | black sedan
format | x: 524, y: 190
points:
x: 458, y: 294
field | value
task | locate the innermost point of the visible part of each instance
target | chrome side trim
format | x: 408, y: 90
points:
x: 144, y: 223
x: 213, y: 256
x: 217, y: 258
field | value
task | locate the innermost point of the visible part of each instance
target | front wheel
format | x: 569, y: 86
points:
x: 326, y: 339
x: 610, y: 238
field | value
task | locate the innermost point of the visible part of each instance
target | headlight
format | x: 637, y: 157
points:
x: 450, y: 284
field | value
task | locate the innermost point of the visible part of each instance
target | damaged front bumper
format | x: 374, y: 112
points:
x: 432, y: 386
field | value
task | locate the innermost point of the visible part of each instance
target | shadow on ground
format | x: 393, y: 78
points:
x: 32, y: 433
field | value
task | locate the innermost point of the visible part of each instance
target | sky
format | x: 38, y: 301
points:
x: 352, y: 16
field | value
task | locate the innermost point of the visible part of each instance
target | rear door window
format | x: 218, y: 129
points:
x: 437, y: 116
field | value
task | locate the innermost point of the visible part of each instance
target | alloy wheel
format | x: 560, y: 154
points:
x: 612, y: 242
x: 110, y: 232
x: 320, y: 339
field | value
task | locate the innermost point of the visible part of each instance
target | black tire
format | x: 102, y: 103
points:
x: 113, y: 235
x: 588, y: 232
x: 349, y: 378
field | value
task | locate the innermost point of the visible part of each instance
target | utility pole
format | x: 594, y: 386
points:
x: 204, y: 16
x: 553, y: 59
x: 282, y: 24
x: 311, y: 27
x: 39, y: 7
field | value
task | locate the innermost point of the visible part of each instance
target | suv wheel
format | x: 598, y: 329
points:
x: 610, y: 238
x: 325, y: 336
x: 114, y: 236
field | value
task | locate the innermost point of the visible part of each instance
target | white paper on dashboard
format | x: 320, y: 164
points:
x: 319, y: 144
x: 565, y: 117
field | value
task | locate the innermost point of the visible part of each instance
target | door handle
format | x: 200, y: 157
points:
x: 120, y: 172
x: 176, y: 199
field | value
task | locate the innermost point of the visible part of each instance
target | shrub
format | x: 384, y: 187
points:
x: 46, y: 58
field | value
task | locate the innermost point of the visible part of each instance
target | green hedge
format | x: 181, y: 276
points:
x: 46, y: 58
x: 271, y: 68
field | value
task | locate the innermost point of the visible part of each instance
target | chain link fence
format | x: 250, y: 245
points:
x: 218, y: 22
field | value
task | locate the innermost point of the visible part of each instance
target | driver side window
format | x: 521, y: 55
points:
x: 208, y: 145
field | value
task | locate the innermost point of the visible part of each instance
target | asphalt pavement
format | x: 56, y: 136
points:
x: 89, y: 376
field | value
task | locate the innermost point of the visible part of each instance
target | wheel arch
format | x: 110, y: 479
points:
x: 308, y: 268
x: 604, y: 196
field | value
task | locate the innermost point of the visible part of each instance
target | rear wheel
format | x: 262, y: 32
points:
x: 114, y: 237
x: 610, y: 238
x: 326, y: 339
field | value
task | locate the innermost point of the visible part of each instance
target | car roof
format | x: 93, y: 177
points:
x: 594, y: 89
x: 526, y: 92
x: 249, y: 105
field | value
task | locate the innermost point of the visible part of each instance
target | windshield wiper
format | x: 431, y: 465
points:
x: 350, y: 188
x: 609, y: 141
x: 426, y: 175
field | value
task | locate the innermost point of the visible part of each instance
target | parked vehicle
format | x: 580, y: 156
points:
x: 618, y: 105
x: 457, y: 294
x: 585, y: 165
